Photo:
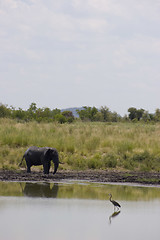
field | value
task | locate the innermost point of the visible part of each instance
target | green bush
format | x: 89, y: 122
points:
x: 110, y: 160
x: 129, y: 165
x: 60, y: 118
x: 140, y: 157
x: 92, y: 163
x: 95, y: 162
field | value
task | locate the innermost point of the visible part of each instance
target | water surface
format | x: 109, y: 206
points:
x: 78, y: 211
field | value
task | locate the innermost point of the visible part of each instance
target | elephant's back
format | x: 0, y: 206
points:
x: 34, y: 150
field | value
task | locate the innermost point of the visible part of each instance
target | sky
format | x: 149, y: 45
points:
x: 74, y: 53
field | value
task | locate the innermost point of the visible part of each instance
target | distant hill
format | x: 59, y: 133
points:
x: 73, y: 110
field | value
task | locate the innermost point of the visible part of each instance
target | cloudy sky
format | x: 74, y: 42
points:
x: 73, y: 53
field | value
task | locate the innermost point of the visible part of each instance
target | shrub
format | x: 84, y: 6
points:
x: 128, y: 164
x: 140, y: 157
x: 76, y: 162
x: 110, y: 160
x: 92, y: 163
x: 95, y: 162
x: 80, y: 163
x: 60, y: 118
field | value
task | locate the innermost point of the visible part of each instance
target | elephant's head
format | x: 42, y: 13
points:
x: 52, y: 154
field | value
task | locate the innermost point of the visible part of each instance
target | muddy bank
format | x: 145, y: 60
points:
x: 90, y: 175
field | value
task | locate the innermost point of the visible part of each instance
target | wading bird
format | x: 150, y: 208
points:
x: 116, y: 204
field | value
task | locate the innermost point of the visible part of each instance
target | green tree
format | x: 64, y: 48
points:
x: 94, y: 112
x: 31, y: 112
x: 88, y: 113
x: 157, y: 115
x: 68, y: 115
x: 140, y: 113
x: 4, y: 111
x: 148, y: 116
x: 60, y: 118
x: 115, y: 117
x: 55, y: 112
x: 19, y: 114
x: 106, y: 114
x: 83, y: 114
x: 132, y: 113
x: 98, y: 117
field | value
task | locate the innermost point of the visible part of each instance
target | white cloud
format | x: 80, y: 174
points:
x: 122, y: 57
x: 100, y: 6
x: 96, y: 25
x: 100, y: 44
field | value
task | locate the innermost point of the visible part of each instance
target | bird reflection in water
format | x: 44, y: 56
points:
x: 114, y: 215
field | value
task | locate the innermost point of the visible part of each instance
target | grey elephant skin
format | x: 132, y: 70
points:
x: 36, y: 156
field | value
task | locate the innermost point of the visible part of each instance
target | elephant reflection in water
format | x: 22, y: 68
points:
x: 40, y: 190
x: 116, y: 213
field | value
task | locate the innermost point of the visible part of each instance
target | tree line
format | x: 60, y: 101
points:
x: 37, y: 114
x: 92, y: 114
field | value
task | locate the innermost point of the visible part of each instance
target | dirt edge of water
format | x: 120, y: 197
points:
x: 89, y: 175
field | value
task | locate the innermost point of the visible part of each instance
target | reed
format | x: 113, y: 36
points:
x: 89, y: 145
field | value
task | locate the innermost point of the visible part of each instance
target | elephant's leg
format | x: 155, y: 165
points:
x: 46, y: 167
x: 28, y: 166
x: 28, y: 169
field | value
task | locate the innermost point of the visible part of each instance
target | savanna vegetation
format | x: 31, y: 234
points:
x: 91, y: 114
x: 82, y: 145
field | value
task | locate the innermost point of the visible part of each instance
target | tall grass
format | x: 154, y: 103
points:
x: 132, y: 146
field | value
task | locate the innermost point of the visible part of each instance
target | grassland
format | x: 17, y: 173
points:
x: 84, y: 145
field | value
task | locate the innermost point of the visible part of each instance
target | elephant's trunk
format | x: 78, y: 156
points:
x: 56, y: 162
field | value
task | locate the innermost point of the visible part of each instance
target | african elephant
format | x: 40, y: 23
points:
x: 35, y: 156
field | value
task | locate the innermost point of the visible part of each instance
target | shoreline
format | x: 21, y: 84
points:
x: 97, y: 176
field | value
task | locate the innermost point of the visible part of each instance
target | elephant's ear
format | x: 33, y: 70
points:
x: 47, y: 153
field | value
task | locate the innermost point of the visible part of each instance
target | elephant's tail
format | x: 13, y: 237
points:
x: 21, y: 161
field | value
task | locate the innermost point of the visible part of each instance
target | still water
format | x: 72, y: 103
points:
x: 77, y: 211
